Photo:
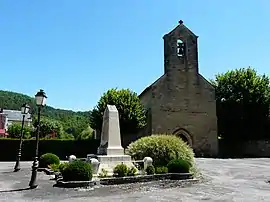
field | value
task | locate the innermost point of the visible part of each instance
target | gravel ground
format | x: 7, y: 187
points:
x: 224, y: 180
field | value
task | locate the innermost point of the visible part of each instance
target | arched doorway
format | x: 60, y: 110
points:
x: 184, y: 135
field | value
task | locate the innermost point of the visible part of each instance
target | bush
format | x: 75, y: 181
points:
x: 62, y: 166
x: 120, y: 170
x: 48, y: 159
x: 54, y: 167
x: 14, y: 131
x: 103, y: 174
x: 131, y: 171
x: 161, y: 170
x: 178, y: 166
x: 77, y: 171
x: 162, y: 149
x: 150, y: 170
x: 61, y: 148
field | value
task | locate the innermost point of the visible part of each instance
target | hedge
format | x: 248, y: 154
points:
x: 62, y: 148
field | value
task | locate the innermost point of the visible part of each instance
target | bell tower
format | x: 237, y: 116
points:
x: 180, y: 50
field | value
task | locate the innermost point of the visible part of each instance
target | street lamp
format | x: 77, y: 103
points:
x: 24, y: 110
x: 40, y: 98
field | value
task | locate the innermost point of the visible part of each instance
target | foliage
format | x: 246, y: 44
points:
x: 73, y: 122
x: 150, y: 170
x: 77, y: 171
x: 54, y: 167
x: 62, y: 166
x: 243, y: 98
x: 131, y: 171
x: 242, y: 85
x: 14, y: 131
x: 103, y: 173
x: 60, y: 147
x: 161, y: 148
x: 48, y: 159
x: 178, y: 166
x: 120, y: 170
x: 132, y: 115
x: 86, y: 134
x: 58, y: 167
x: 161, y: 170
x: 49, y: 127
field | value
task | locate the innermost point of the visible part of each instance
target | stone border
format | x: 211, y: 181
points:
x: 145, y: 178
x: 74, y: 184
x: 48, y: 171
x: 125, y: 180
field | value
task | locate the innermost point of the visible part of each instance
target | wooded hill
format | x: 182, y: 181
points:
x: 73, y: 122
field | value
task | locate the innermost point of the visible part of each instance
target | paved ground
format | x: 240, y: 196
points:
x: 226, y: 180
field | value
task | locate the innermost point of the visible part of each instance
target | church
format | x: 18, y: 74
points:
x: 182, y: 101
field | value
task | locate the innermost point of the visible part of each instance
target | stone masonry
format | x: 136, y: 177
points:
x: 181, y: 101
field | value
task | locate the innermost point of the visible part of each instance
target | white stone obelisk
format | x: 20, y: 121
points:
x: 110, y: 143
x: 110, y: 151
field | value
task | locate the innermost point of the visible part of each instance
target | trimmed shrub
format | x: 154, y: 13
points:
x: 178, y: 166
x: 150, y: 170
x: 48, y: 159
x: 162, y: 149
x: 54, y: 167
x: 161, y: 170
x: 61, y: 148
x: 131, y: 171
x: 62, y: 166
x: 120, y: 170
x: 58, y: 167
x: 77, y: 171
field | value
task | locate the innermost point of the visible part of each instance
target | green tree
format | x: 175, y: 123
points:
x: 49, y: 127
x: 86, y: 134
x: 132, y: 115
x: 14, y: 131
x: 242, y: 104
x: 73, y: 122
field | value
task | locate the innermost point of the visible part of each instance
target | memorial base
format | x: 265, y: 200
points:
x: 108, y: 162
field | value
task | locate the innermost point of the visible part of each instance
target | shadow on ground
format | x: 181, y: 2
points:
x: 15, y: 190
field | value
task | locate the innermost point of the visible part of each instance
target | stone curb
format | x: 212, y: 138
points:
x: 145, y: 178
x: 74, y: 184
x: 46, y: 170
x: 125, y: 180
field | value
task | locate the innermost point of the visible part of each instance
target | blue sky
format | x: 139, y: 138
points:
x: 76, y: 50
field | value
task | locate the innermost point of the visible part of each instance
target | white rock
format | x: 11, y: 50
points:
x: 71, y: 158
x: 147, y: 161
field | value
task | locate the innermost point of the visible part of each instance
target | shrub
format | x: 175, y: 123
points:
x: 178, y: 166
x: 58, y: 167
x: 131, y: 171
x: 150, y: 170
x: 162, y: 149
x: 54, y: 167
x: 77, y: 171
x: 120, y: 170
x: 48, y: 159
x: 104, y: 173
x: 62, y: 166
x: 161, y: 170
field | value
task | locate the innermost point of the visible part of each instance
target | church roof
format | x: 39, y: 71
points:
x: 150, y: 86
x: 181, y: 26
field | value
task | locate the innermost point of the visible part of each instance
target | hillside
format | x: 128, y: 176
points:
x: 73, y: 122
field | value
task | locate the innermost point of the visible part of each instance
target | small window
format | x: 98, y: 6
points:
x: 180, y: 48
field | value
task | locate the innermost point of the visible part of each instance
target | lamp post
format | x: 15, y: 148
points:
x: 40, y: 98
x: 24, y: 110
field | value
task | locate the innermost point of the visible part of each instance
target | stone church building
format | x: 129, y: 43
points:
x: 182, y: 101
